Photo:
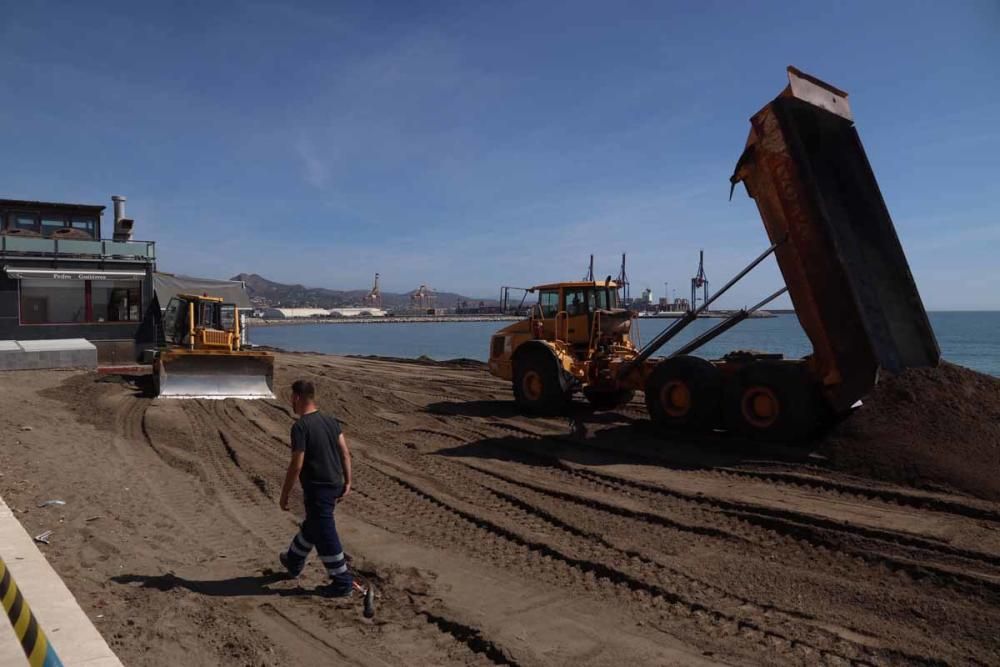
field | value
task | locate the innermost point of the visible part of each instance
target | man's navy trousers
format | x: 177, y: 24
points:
x: 319, y: 530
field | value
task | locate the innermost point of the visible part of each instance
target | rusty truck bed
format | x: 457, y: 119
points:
x: 845, y: 269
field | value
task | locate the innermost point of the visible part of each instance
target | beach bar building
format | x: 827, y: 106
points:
x: 61, y: 279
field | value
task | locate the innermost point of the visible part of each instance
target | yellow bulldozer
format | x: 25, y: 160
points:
x: 844, y: 270
x: 203, y: 356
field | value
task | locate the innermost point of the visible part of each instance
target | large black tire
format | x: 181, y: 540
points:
x: 537, y: 387
x: 608, y: 400
x: 684, y: 394
x: 773, y: 400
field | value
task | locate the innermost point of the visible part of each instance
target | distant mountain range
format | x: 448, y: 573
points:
x: 267, y: 292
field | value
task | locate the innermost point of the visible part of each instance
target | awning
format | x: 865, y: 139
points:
x: 72, y: 274
x: 167, y: 285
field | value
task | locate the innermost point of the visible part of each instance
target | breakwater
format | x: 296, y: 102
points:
x: 409, y: 319
x: 438, y: 319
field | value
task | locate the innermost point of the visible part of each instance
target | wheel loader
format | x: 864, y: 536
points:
x: 203, y: 355
x: 844, y: 271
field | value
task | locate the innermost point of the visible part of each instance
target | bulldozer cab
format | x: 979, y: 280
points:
x: 201, y: 322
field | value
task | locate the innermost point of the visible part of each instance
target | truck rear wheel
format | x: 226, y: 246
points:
x: 772, y: 400
x: 608, y: 400
x: 683, y: 393
x: 536, y: 383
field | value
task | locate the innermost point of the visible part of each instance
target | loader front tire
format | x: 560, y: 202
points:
x: 684, y: 394
x: 537, y: 388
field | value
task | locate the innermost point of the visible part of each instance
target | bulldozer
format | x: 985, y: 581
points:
x: 844, y: 271
x: 203, y: 356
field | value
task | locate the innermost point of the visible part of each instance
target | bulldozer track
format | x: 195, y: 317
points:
x: 238, y: 495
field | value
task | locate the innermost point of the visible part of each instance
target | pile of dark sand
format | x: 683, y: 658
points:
x: 933, y: 428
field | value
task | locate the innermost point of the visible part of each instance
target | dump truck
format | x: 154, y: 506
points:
x: 202, y: 355
x: 844, y: 271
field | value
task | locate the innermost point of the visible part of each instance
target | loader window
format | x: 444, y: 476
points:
x: 549, y: 301
x: 576, y: 302
x: 599, y: 299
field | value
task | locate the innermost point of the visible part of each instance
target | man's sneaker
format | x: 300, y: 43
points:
x: 333, y: 590
x: 283, y: 557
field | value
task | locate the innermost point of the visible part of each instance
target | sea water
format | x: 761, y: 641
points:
x: 970, y: 339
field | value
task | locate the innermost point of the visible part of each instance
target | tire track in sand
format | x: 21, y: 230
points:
x: 416, y: 510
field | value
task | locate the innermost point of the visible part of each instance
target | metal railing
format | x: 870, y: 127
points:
x: 104, y: 248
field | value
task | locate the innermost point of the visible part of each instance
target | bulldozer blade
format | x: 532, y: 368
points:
x: 214, y: 375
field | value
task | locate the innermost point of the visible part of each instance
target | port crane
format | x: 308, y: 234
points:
x: 374, y: 297
x: 700, y: 281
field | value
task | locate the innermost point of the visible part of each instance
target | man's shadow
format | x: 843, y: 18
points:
x: 233, y: 587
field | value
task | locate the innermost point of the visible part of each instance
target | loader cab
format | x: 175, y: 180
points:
x: 578, y: 313
x: 566, y: 311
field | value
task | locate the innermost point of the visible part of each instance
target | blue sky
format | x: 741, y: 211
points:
x: 467, y: 145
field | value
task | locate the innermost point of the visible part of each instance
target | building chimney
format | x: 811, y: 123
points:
x: 123, y: 225
x: 119, y: 201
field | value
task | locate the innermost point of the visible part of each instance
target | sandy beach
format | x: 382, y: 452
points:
x: 492, y: 537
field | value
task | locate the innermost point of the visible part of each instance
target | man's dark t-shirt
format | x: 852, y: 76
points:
x: 316, y: 434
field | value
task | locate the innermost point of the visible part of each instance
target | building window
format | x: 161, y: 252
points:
x: 116, y: 300
x: 25, y: 221
x: 50, y: 224
x: 87, y: 225
x: 50, y: 301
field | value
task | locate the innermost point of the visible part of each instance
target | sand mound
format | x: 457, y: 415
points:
x: 931, y: 428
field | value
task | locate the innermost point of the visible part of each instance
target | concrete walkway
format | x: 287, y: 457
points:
x: 74, y: 637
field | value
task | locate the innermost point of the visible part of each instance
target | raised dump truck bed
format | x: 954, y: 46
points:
x: 845, y: 269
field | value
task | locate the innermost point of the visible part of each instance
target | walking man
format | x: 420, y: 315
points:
x: 322, y: 463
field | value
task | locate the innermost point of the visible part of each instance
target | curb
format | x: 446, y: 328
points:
x: 54, y: 620
x: 35, y: 644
